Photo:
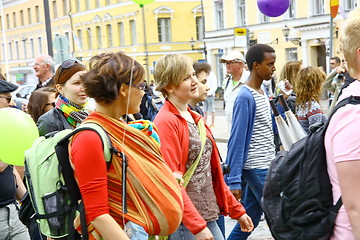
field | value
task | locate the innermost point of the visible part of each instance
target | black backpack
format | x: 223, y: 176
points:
x: 297, y: 198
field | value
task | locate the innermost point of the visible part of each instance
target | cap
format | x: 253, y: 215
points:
x: 281, y: 86
x: 233, y: 56
x: 6, y: 87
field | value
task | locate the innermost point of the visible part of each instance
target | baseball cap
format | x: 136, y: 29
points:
x: 281, y: 86
x: 233, y: 56
x: 6, y: 87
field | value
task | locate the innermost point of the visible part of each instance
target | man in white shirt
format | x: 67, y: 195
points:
x: 209, y: 104
x: 234, y: 62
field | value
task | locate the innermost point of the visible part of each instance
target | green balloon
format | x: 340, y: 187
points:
x: 142, y: 1
x: 18, y: 131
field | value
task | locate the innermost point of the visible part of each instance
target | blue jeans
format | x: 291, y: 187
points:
x: 254, y: 179
x: 182, y: 233
x: 221, y: 223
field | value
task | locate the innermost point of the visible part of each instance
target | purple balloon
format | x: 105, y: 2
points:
x: 273, y: 8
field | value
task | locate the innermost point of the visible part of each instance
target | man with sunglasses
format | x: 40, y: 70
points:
x: 5, y: 89
x: 238, y: 76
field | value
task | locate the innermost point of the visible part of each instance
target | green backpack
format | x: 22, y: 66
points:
x: 53, y: 190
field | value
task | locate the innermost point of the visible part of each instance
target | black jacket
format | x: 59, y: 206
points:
x: 51, y: 121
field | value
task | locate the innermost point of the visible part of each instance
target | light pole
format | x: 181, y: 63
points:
x: 48, y: 28
x: 145, y: 44
x: 203, y: 23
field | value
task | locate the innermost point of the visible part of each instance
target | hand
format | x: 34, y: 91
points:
x: 24, y: 107
x: 237, y: 194
x: 205, y: 234
x: 246, y: 223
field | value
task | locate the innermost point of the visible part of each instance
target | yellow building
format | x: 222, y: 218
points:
x: 307, y: 23
x: 84, y: 28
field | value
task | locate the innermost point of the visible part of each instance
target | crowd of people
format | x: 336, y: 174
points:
x: 179, y: 141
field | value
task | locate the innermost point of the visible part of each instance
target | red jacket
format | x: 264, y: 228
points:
x: 174, y: 137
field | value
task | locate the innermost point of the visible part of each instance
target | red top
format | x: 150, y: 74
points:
x: 174, y: 137
x: 87, y: 156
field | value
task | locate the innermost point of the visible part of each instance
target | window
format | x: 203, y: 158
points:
x: 97, y: 3
x: 349, y: 5
x: 264, y: 18
x: 318, y: 7
x: 199, y: 28
x: 3, y: 50
x: 0, y: 24
x: 77, y: 7
x: 121, y: 33
x: 109, y: 35
x: 55, y: 14
x: 14, y: 19
x: 10, y: 51
x: 88, y: 37
x: 132, y: 32
x: 65, y: 7
x: 29, y: 15
x: 291, y: 54
x: 22, y: 17
x: 219, y: 14
x: 7, y: 21
x: 32, y: 48
x: 40, y: 45
x: 87, y: 4
x: 164, y: 31
x: 79, y: 39
x: 37, y: 13
x: 98, y: 36
x: 108, y: 2
x: 241, y: 13
x: 24, y: 48
x: 290, y: 13
x: 17, y: 50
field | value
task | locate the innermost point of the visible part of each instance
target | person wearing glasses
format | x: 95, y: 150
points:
x: 69, y: 109
x: 189, y: 148
x: 44, y: 68
x: 41, y: 101
x: 238, y: 76
x: 12, y: 187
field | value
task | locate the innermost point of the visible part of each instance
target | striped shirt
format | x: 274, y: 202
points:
x: 262, y: 148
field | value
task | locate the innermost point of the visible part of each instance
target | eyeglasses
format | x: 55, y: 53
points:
x: 140, y: 85
x: 230, y: 63
x: 68, y: 64
x: 8, y: 98
x: 51, y: 103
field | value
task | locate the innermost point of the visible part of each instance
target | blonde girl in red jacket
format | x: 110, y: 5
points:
x: 206, y: 196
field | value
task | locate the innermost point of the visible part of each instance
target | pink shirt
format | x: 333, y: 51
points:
x: 342, y: 143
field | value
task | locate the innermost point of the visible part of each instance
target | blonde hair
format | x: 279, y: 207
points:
x: 350, y: 40
x: 290, y: 71
x: 171, y: 69
x: 308, y: 85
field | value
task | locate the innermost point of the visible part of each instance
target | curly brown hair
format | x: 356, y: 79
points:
x: 308, y: 85
x: 108, y: 71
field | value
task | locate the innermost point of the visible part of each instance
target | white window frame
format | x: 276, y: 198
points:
x: 24, y: 47
x: 219, y: 14
x: 199, y: 27
x: 318, y: 7
x: 88, y: 37
x: 132, y: 27
x: 98, y: 36
x: 40, y: 47
x: 109, y: 35
x: 291, y: 54
x: 263, y: 18
x: 32, y: 48
x: 241, y: 12
x: 54, y: 5
x: 291, y: 12
x: 17, y: 53
x: 164, y: 29
x: 349, y: 4
x: 121, y: 33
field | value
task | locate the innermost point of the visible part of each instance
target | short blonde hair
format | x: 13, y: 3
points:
x: 350, y: 40
x: 308, y: 85
x: 171, y: 69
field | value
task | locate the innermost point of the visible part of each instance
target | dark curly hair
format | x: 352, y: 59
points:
x: 108, y: 71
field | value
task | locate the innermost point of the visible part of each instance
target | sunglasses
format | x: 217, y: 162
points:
x: 141, y: 85
x: 8, y: 98
x: 68, y: 64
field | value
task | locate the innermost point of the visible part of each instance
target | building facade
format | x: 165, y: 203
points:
x: 84, y: 28
x: 237, y: 24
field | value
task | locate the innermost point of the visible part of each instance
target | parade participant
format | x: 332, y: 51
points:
x: 202, y: 70
x: 41, y: 101
x: 12, y: 187
x: 69, y: 109
x: 44, y: 68
x: 234, y: 62
x: 308, y: 89
x: 251, y: 144
x: 342, y: 140
x: 116, y: 82
x: 189, y: 148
